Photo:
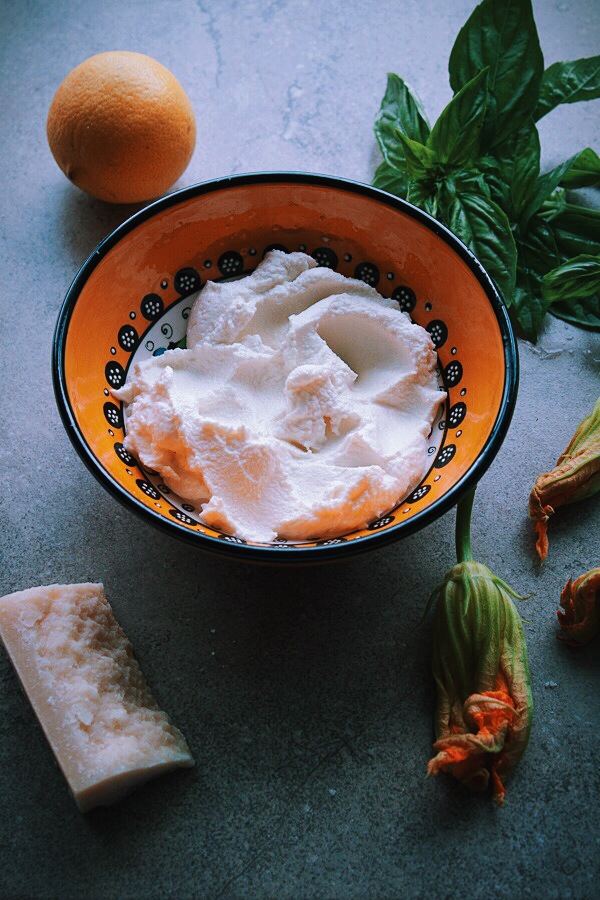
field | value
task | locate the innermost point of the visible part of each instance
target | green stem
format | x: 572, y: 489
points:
x: 463, y: 528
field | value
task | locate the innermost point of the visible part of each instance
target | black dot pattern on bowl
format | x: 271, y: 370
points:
x: 148, y: 489
x: 231, y: 539
x: 230, y: 263
x: 128, y: 338
x: 181, y: 517
x: 331, y: 541
x: 457, y: 414
x: 188, y: 507
x: 419, y: 493
x: 453, y: 373
x: 445, y: 455
x: 326, y: 257
x: 112, y: 414
x: 151, y: 306
x: 405, y: 298
x: 438, y: 331
x: 124, y: 455
x: 187, y: 281
x: 114, y: 374
x: 380, y: 523
x: 367, y: 272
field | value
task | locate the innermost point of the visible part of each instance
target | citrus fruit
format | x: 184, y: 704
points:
x: 121, y: 127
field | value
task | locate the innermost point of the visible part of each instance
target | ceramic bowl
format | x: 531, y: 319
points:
x: 130, y: 300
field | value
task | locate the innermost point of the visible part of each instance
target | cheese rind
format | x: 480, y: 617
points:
x: 78, y: 670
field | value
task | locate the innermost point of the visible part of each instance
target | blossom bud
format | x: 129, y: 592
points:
x: 575, y: 477
x: 579, y: 617
x: 484, y: 703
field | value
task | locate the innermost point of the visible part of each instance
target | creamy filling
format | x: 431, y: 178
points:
x: 300, y: 410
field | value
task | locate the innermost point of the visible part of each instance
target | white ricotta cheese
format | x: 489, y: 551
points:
x: 300, y: 409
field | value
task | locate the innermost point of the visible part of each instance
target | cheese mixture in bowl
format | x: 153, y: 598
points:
x: 300, y: 409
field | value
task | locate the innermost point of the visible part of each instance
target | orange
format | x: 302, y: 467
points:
x: 121, y: 127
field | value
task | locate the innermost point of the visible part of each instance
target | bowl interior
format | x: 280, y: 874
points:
x: 131, y: 299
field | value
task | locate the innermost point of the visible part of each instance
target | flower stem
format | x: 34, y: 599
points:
x: 463, y: 528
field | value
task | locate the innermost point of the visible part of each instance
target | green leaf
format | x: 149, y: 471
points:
x: 576, y: 230
x: 485, y: 229
x: 423, y: 193
x: 584, y: 171
x: 568, y: 82
x: 501, y: 34
x: 574, y: 279
x: 538, y: 251
x: 544, y: 187
x: 513, y: 169
x: 389, y: 178
x: 584, y: 313
x: 537, y: 254
x: 558, y: 205
x: 400, y: 108
x: 569, y: 291
x: 419, y: 159
x: 470, y: 180
x: 529, y: 306
x: 455, y: 136
x: 495, y: 179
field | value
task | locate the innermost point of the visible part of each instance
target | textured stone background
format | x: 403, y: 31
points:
x: 307, y: 699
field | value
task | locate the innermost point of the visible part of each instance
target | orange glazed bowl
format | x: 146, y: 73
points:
x: 131, y: 298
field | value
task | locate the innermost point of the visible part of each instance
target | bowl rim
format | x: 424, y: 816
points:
x: 275, y: 553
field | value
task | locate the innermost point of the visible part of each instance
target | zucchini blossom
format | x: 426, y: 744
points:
x: 575, y: 477
x: 579, y: 617
x: 480, y: 665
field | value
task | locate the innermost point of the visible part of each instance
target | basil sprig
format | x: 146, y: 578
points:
x: 477, y: 170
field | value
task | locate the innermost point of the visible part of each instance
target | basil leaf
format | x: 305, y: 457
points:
x: 538, y: 251
x: 544, y: 186
x: 537, y: 254
x: 470, y: 180
x: 574, y: 279
x: 568, y: 82
x: 576, y: 230
x: 419, y: 159
x: 558, y: 206
x: 514, y: 169
x: 501, y: 34
x: 400, y: 109
x: 584, y: 313
x: 529, y: 306
x: 496, y: 181
x: 584, y: 171
x: 423, y: 193
x: 455, y: 136
x: 485, y: 229
x: 389, y: 178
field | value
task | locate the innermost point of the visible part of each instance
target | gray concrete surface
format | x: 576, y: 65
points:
x: 307, y: 699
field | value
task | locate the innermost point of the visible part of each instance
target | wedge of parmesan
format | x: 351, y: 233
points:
x: 78, y: 670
